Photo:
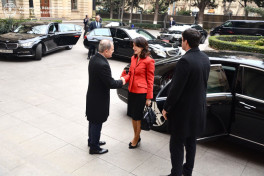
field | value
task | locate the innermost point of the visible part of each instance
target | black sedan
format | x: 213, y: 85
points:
x: 122, y: 38
x: 174, y: 33
x: 235, y: 96
x: 33, y: 39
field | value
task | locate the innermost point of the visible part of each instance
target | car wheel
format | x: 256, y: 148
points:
x: 161, y: 124
x: 69, y: 47
x: 38, y: 52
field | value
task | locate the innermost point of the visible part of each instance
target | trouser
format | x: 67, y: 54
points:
x: 177, y: 145
x: 94, y: 134
x: 91, y: 51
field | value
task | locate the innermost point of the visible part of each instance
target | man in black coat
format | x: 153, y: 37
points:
x: 93, y: 25
x: 86, y: 24
x: 185, y: 107
x: 98, y: 94
x: 172, y: 22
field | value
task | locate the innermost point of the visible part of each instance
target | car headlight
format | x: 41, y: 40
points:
x: 160, y: 53
x: 28, y: 44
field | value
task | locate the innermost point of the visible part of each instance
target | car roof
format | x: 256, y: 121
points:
x: 36, y: 23
x: 249, y: 21
x: 245, y: 58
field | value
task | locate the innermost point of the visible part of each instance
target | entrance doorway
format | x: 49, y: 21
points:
x: 45, y: 9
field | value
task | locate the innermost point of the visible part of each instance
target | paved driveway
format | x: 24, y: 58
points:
x: 43, y: 130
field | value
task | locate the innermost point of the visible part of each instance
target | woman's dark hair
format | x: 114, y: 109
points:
x: 192, y: 36
x: 142, y: 43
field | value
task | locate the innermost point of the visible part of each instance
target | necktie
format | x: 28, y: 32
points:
x: 96, y: 24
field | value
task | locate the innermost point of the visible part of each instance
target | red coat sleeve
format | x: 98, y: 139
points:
x: 150, y: 78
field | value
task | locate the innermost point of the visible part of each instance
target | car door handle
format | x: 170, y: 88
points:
x: 247, y: 106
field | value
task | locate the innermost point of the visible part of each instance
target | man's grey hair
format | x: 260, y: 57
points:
x: 104, y: 45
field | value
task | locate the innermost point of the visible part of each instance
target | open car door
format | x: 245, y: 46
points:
x: 69, y: 34
x: 219, y: 101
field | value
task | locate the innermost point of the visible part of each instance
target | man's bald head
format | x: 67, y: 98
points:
x: 106, y: 48
x: 97, y: 18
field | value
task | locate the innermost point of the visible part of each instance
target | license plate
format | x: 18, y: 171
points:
x: 6, y: 51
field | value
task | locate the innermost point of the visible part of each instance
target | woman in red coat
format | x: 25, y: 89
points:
x: 141, y: 79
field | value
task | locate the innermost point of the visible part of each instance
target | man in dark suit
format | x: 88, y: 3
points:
x: 98, y: 94
x: 185, y: 107
x: 93, y: 25
x: 172, y: 22
x: 86, y: 24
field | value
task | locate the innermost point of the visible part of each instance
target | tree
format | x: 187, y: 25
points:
x: 245, y: 5
x: 122, y: 10
x: 260, y: 3
x: 259, y: 11
x: 131, y: 11
x: 227, y: 7
x: 202, y: 4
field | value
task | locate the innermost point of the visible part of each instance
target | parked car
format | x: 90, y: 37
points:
x: 239, y: 27
x: 174, y: 33
x: 235, y: 96
x: 115, y: 23
x: 33, y: 39
x: 122, y: 38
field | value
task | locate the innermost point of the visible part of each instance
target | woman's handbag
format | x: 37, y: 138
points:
x: 149, y: 118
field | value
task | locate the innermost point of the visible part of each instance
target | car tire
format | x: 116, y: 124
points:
x: 69, y: 47
x: 38, y: 52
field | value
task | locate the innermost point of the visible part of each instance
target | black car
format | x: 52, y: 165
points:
x: 240, y: 27
x: 174, y: 33
x: 122, y: 38
x: 33, y: 39
x: 235, y: 95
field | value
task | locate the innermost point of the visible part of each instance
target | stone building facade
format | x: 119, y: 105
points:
x: 54, y: 9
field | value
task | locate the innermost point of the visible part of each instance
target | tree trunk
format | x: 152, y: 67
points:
x: 201, y: 13
x: 122, y: 10
x: 131, y: 12
x: 155, y: 21
x: 224, y: 6
x: 111, y: 9
x: 246, y: 12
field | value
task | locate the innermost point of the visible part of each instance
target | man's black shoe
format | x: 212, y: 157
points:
x: 100, y: 143
x: 100, y: 151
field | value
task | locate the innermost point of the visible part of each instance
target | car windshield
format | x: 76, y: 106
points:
x: 32, y: 29
x: 100, y: 32
x: 134, y: 33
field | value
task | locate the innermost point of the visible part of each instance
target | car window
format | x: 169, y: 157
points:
x: 113, y: 32
x: 67, y: 27
x: 228, y: 24
x: 134, y: 33
x: 260, y: 25
x: 52, y: 29
x: 32, y: 29
x: 100, y: 32
x: 121, y: 34
x: 242, y: 24
x: 230, y: 74
x: 217, y: 83
x: 253, y: 83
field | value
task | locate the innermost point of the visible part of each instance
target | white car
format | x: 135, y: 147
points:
x: 115, y: 23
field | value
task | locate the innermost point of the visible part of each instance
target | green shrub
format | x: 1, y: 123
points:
x: 237, y: 43
x: 260, y: 42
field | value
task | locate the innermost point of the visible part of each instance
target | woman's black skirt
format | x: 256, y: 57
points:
x: 135, y: 105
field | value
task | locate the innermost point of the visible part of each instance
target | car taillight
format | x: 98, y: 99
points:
x: 76, y: 36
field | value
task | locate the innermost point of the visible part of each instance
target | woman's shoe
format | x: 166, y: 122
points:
x: 130, y: 146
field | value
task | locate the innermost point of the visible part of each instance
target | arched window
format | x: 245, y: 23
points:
x: 74, y: 4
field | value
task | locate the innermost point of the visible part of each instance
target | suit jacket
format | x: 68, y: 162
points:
x: 186, y: 101
x: 98, y: 94
x: 141, y: 76
x: 92, y: 25
x: 172, y: 23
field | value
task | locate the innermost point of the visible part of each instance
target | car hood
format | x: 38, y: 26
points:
x: 15, y: 37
